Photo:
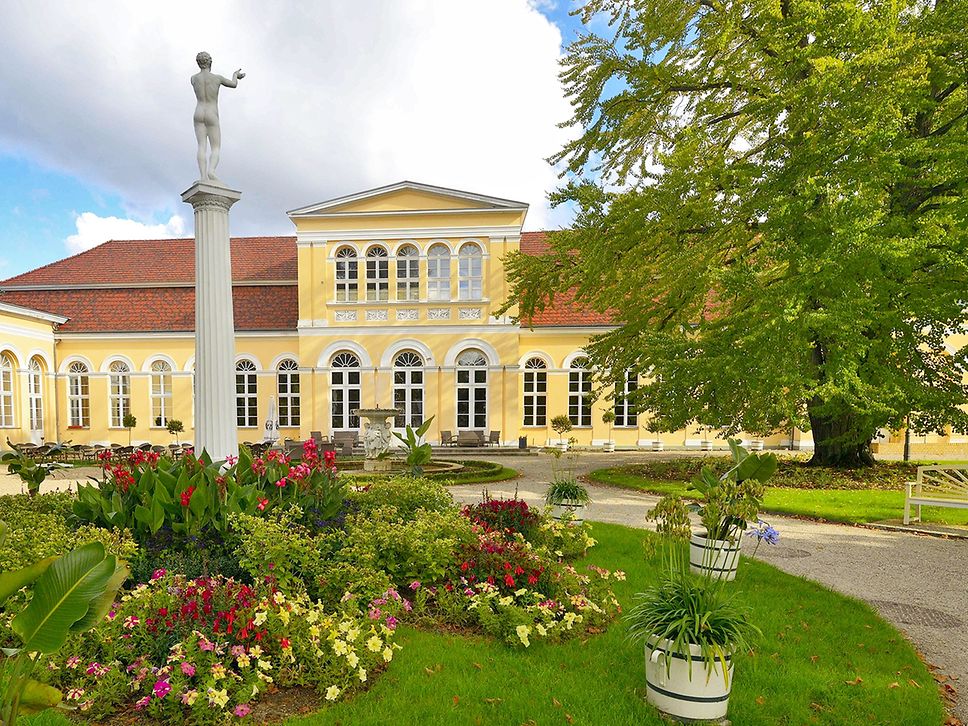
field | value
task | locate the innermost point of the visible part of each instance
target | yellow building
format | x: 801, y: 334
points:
x: 386, y: 297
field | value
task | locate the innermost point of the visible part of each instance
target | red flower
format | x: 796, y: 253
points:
x: 509, y: 581
x: 284, y: 642
x: 329, y: 458
x: 262, y: 505
x: 186, y: 496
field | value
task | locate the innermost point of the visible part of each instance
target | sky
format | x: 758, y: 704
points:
x: 96, y: 138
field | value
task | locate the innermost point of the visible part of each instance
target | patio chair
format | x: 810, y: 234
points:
x: 345, y: 441
x: 447, y: 438
x: 494, y: 438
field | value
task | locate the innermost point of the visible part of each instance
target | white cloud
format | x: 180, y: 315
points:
x: 338, y: 97
x: 92, y: 230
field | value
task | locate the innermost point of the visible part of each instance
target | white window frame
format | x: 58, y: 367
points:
x: 6, y: 392
x: 377, y: 274
x: 438, y: 272
x: 288, y: 390
x: 119, y: 393
x: 161, y: 403
x: 472, y: 387
x: 408, y: 389
x: 246, y: 395
x: 347, y: 283
x: 470, y: 272
x: 345, y: 390
x: 535, y: 404
x: 579, y: 390
x: 78, y: 395
x: 408, y: 273
x: 35, y: 394
x: 625, y: 414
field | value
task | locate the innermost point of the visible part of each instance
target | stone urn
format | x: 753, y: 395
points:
x: 376, y: 437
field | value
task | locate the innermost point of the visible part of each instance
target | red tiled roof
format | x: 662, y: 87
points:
x: 158, y: 309
x: 120, y: 262
x: 563, y: 312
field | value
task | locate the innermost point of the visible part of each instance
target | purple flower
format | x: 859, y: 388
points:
x: 161, y: 688
x: 142, y: 702
x: 764, y: 533
x: 158, y: 574
x: 391, y: 622
x: 415, y: 585
x: 242, y: 710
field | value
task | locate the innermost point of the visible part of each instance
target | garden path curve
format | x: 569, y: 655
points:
x: 919, y: 583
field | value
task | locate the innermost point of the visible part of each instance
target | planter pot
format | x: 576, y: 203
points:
x: 718, y: 558
x: 608, y: 446
x: 756, y: 445
x: 658, y: 445
x: 575, y: 512
x: 699, y: 695
x: 706, y: 446
x: 563, y: 445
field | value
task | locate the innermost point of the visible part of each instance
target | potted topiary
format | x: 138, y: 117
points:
x: 129, y: 422
x: 729, y: 503
x: 608, y: 418
x: 175, y: 427
x: 691, y: 629
x: 561, y: 425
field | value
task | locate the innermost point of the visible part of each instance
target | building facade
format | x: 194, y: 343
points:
x: 389, y: 297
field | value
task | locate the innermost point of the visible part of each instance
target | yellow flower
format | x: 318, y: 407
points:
x: 265, y: 664
x: 255, y: 651
x: 352, y: 634
x: 374, y: 644
x: 353, y: 659
x: 314, y: 631
x: 388, y: 654
x: 523, y: 631
x: 244, y: 661
x: 521, y: 591
x: 332, y: 693
x: 506, y: 600
x: 218, y: 698
x: 339, y: 647
x: 279, y: 597
x: 284, y: 616
x: 218, y: 671
x: 362, y: 675
x: 312, y: 616
x: 542, y: 630
x: 260, y: 617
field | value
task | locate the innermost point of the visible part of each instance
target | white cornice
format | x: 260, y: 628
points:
x: 146, y: 285
x: 181, y: 334
x: 308, y: 238
x: 30, y: 313
x: 351, y: 331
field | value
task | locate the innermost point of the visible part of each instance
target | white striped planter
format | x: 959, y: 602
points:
x: 718, y: 558
x: 694, y: 692
x: 577, y: 511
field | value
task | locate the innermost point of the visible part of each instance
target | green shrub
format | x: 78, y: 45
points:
x: 204, y: 556
x: 405, y: 494
x: 335, y: 578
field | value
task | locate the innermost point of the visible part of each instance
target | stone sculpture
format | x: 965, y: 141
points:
x: 207, y: 131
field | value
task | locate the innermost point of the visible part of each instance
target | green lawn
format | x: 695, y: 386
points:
x: 814, y: 643
x: 852, y: 506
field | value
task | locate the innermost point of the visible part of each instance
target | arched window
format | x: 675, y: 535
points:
x: 78, y: 396
x: 6, y: 391
x: 625, y: 414
x: 347, y: 275
x: 408, y: 392
x: 408, y: 273
x: 469, y: 272
x: 160, y: 393
x: 579, y: 393
x: 471, y: 390
x: 287, y: 384
x: 438, y: 272
x: 35, y: 394
x: 345, y: 392
x: 246, y: 395
x: 377, y: 274
x: 119, y: 393
x: 535, y: 392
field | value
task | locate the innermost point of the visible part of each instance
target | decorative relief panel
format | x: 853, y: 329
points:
x: 376, y: 315
x: 469, y: 313
x: 438, y: 314
x: 345, y: 316
x: 407, y: 314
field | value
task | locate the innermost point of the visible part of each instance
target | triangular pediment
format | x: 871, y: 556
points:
x: 405, y: 197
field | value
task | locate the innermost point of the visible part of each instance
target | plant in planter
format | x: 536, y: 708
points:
x: 418, y: 450
x: 566, y: 495
x: 31, y: 473
x: 729, y: 503
x: 561, y: 425
x: 175, y: 427
x: 608, y: 418
x: 129, y: 422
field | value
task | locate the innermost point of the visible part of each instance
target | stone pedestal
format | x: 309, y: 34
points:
x: 376, y: 437
x: 215, y: 429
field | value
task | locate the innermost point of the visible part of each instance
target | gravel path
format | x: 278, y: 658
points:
x: 918, y: 583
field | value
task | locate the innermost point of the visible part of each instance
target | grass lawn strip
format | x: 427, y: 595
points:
x: 824, y: 658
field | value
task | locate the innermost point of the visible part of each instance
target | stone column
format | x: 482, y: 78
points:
x: 215, y: 429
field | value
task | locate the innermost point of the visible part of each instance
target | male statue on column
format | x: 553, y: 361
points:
x: 207, y: 131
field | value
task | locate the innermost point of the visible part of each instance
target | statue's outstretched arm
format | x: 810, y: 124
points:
x: 234, y: 80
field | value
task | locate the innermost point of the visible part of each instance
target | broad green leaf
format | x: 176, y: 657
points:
x: 37, y: 696
x: 101, y: 605
x: 759, y: 467
x: 10, y: 582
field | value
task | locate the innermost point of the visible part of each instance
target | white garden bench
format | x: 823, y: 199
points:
x: 936, y: 486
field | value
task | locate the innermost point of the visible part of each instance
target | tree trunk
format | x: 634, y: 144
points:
x: 838, y: 441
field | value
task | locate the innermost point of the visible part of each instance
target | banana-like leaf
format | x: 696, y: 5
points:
x: 10, y: 582
x: 425, y: 426
x: 102, y: 604
x: 62, y: 596
x: 758, y: 466
x: 37, y: 696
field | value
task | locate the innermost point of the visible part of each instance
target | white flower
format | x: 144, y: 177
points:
x: 353, y: 659
x: 362, y: 675
x: 523, y: 632
x: 332, y: 693
x: 260, y: 617
x: 374, y: 644
x: 388, y: 654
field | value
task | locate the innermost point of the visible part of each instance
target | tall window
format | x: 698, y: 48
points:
x: 377, y: 274
x: 471, y: 390
x: 78, y: 395
x: 535, y: 392
x: 408, y: 393
x: 347, y: 275
x: 287, y: 383
x: 246, y: 395
x: 160, y: 393
x: 6, y: 391
x: 119, y: 393
x: 625, y: 414
x: 579, y: 393
x: 408, y: 273
x: 469, y: 272
x: 345, y: 392
x: 438, y: 273
x: 35, y: 394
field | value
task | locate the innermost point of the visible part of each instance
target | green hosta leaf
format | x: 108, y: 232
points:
x: 10, y: 582
x: 62, y: 596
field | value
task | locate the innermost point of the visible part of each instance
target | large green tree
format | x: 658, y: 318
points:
x: 771, y: 199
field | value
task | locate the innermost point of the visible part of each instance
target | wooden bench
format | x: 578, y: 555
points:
x: 470, y: 438
x: 936, y: 486
x: 345, y: 441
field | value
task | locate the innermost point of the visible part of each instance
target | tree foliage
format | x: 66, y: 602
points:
x: 771, y: 199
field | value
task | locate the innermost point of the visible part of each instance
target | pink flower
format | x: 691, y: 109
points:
x: 230, y: 460
x: 158, y: 574
x: 141, y: 703
x: 73, y: 661
x: 407, y: 606
x: 75, y: 694
x: 391, y: 622
x: 131, y: 621
x: 161, y: 688
x: 281, y: 483
x: 262, y: 505
x: 206, y: 645
x: 415, y: 585
x: 242, y: 710
x: 375, y: 613
x: 188, y: 669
